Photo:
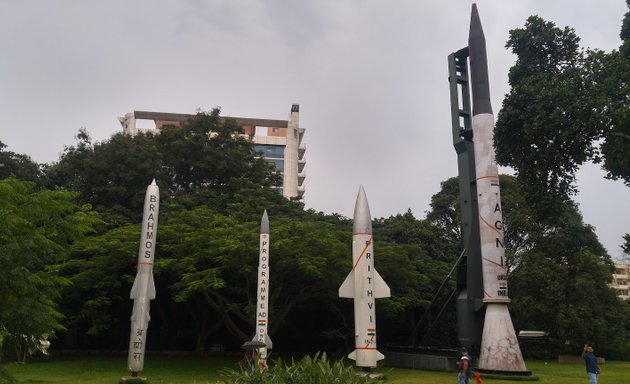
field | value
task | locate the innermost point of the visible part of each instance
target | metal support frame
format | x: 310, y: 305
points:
x: 470, y: 307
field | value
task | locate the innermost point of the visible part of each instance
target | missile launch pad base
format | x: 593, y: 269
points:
x: 507, y: 375
x: 372, y: 375
x: 133, y: 380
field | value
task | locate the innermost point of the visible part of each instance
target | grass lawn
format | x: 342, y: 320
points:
x: 192, y: 370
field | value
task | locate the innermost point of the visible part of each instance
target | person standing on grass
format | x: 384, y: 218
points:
x: 465, y: 368
x: 592, y: 370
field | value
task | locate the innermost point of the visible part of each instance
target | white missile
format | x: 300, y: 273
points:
x: 143, y: 289
x: 364, y: 285
x: 499, y: 346
x: 262, y: 301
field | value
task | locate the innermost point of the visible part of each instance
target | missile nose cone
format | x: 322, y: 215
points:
x: 476, y: 31
x: 362, y: 218
x: 478, y: 65
x: 153, y: 183
x: 264, y: 223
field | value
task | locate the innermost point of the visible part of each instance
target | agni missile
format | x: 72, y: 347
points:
x: 262, y: 301
x: 499, y: 346
x: 364, y: 285
x: 143, y: 290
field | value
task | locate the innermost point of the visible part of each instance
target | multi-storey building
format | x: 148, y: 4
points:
x: 621, y: 280
x: 278, y: 141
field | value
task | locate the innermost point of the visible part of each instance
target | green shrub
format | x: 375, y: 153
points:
x: 316, y: 370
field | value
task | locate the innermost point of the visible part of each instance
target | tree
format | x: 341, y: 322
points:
x: 213, y: 260
x: 36, y: 233
x: 419, y: 255
x: 209, y: 153
x: 100, y: 269
x: 546, y: 127
x: 111, y: 175
x: 19, y: 166
x: 566, y: 106
x: 561, y: 286
x: 205, y: 158
x: 626, y: 245
x: 612, y: 73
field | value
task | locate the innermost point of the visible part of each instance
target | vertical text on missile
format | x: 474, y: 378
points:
x: 150, y: 228
x: 262, y: 290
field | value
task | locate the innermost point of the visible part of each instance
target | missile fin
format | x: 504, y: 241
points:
x: 151, y: 288
x: 268, y: 341
x: 135, y: 287
x: 353, y: 355
x: 379, y: 356
x: 347, y: 288
x: 381, y: 289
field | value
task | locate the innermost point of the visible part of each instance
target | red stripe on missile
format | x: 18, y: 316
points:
x: 493, y: 262
x: 362, y: 253
x: 491, y: 226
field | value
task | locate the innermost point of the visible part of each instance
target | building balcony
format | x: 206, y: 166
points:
x: 301, y: 150
x: 301, y: 190
x: 301, y: 177
x: 301, y: 164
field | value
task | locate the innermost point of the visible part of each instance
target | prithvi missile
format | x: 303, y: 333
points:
x: 499, y: 346
x: 143, y: 289
x: 364, y: 285
x: 262, y: 302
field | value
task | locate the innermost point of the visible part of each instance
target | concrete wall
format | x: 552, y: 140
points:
x: 420, y: 361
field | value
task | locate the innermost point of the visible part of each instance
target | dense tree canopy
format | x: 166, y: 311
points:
x: 36, y: 230
x: 205, y: 157
x: 546, y: 128
x: 565, y: 107
x: 17, y: 165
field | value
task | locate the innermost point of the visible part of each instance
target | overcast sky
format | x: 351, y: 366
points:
x: 370, y: 78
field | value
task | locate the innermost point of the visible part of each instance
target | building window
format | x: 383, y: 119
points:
x: 279, y: 164
x: 270, y: 151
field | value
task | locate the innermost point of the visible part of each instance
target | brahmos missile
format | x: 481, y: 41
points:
x: 143, y: 290
x: 499, y: 346
x: 364, y: 285
x: 262, y: 302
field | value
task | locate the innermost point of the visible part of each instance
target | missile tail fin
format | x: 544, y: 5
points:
x: 353, y: 355
x: 268, y: 341
x: 151, y: 288
x: 379, y: 356
x: 347, y: 288
x: 134, y: 288
x: 381, y: 289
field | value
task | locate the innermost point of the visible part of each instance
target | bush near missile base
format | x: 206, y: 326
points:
x: 315, y: 370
